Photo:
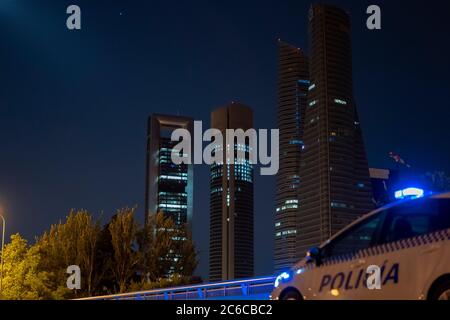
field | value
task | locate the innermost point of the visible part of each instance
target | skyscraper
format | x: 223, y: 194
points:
x: 293, y: 84
x: 335, y: 186
x: 231, y: 202
x: 169, y: 187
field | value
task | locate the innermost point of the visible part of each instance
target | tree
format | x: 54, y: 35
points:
x: 166, y: 248
x: 162, y: 250
x: 71, y: 243
x: 121, y: 255
x: 22, y: 279
x: 103, y: 278
x: 185, y: 249
x: 124, y: 230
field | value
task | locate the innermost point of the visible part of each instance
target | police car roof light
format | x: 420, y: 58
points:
x: 409, y: 193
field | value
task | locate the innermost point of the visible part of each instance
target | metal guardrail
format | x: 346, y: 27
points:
x: 251, y: 289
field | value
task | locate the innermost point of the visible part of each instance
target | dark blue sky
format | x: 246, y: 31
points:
x: 73, y: 105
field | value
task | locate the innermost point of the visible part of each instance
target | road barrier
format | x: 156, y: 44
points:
x: 246, y: 289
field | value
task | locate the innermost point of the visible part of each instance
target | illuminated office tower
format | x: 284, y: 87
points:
x: 293, y: 84
x: 231, y: 202
x: 169, y: 187
x: 335, y: 187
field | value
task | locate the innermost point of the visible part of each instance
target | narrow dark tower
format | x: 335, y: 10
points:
x: 293, y: 84
x: 231, y: 203
x: 335, y: 186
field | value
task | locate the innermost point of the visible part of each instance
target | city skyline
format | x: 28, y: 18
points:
x: 73, y: 134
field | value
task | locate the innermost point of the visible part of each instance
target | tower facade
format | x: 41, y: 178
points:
x: 293, y: 85
x: 335, y: 186
x: 231, y: 202
x: 169, y: 187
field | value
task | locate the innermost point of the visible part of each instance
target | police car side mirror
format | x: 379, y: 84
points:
x: 313, y: 256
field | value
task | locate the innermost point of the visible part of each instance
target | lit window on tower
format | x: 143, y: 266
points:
x: 339, y: 101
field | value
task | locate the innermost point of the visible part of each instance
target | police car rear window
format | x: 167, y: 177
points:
x: 416, y: 218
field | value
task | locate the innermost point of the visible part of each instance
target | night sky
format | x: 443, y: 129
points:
x: 74, y: 104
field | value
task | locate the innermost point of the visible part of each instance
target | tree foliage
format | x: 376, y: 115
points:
x: 123, y: 230
x: 121, y: 256
x: 71, y: 243
x: 168, y: 257
x: 22, y: 278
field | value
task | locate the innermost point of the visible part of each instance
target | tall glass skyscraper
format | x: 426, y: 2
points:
x: 293, y: 85
x: 335, y: 187
x: 231, y: 201
x: 169, y: 187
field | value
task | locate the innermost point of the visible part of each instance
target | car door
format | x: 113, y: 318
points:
x: 341, y: 273
x: 408, y: 249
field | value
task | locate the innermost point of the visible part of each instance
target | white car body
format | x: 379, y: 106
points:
x: 413, y: 264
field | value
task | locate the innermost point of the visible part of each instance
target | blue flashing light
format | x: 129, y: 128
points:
x: 409, y: 193
x: 282, y: 278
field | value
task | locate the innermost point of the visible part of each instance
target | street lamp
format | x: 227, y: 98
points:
x: 3, y: 247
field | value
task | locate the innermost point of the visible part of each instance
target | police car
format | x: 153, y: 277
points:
x: 403, y: 248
